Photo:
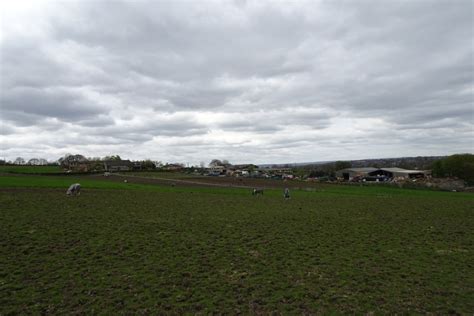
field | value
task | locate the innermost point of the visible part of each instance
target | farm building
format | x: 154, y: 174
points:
x: 118, y: 165
x: 399, y: 173
x: 77, y: 163
x: 350, y: 173
x: 217, y: 170
x: 280, y: 173
x: 371, y: 174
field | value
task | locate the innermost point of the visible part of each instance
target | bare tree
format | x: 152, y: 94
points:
x: 71, y: 160
x: 215, y: 163
x: 19, y: 161
x: 34, y: 162
x: 112, y: 158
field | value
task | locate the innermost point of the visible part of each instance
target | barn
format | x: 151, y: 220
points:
x: 373, y: 174
x: 350, y: 173
x: 399, y: 173
x: 118, y: 165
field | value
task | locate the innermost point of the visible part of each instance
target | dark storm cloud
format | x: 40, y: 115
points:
x: 299, y: 80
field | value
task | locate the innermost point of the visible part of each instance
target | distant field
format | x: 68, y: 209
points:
x: 31, y: 169
x: 116, y: 182
x: 161, y: 174
x: 134, y: 248
x: 62, y: 182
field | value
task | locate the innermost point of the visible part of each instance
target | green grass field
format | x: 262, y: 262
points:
x: 146, y: 249
x: 30, y: 169
x: 162, y: 174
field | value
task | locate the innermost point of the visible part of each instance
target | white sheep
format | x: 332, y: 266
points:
x: 74, y: 189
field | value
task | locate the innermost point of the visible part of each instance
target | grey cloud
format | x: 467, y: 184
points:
x: 6, y: 129
x: 122, y: 71
x: 19, y: 118
x: 305, y: 118
x: 144, y: 129
x: 273, y: 121
x: 98, y: 121
x: 255, y: 126
x: 24, y: 64
x: 58, y: 103
x: 199, y: 97
x: 167, y: 37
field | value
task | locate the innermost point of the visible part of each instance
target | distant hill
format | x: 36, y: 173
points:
x: 294, y: 164
x: 420, y: 162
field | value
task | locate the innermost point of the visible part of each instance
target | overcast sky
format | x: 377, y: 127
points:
x: 246, y: 81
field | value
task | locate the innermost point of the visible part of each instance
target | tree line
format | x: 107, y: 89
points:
x: 460, y: 166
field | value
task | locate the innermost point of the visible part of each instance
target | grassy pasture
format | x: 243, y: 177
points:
x: 62, y: 182
x: 30, y: 169
x: 162, y: 174
x: 98, y: 182
x: 136, y: 248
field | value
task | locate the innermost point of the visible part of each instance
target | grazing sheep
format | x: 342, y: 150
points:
x: 74, y: 189
x: 257, y: 191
